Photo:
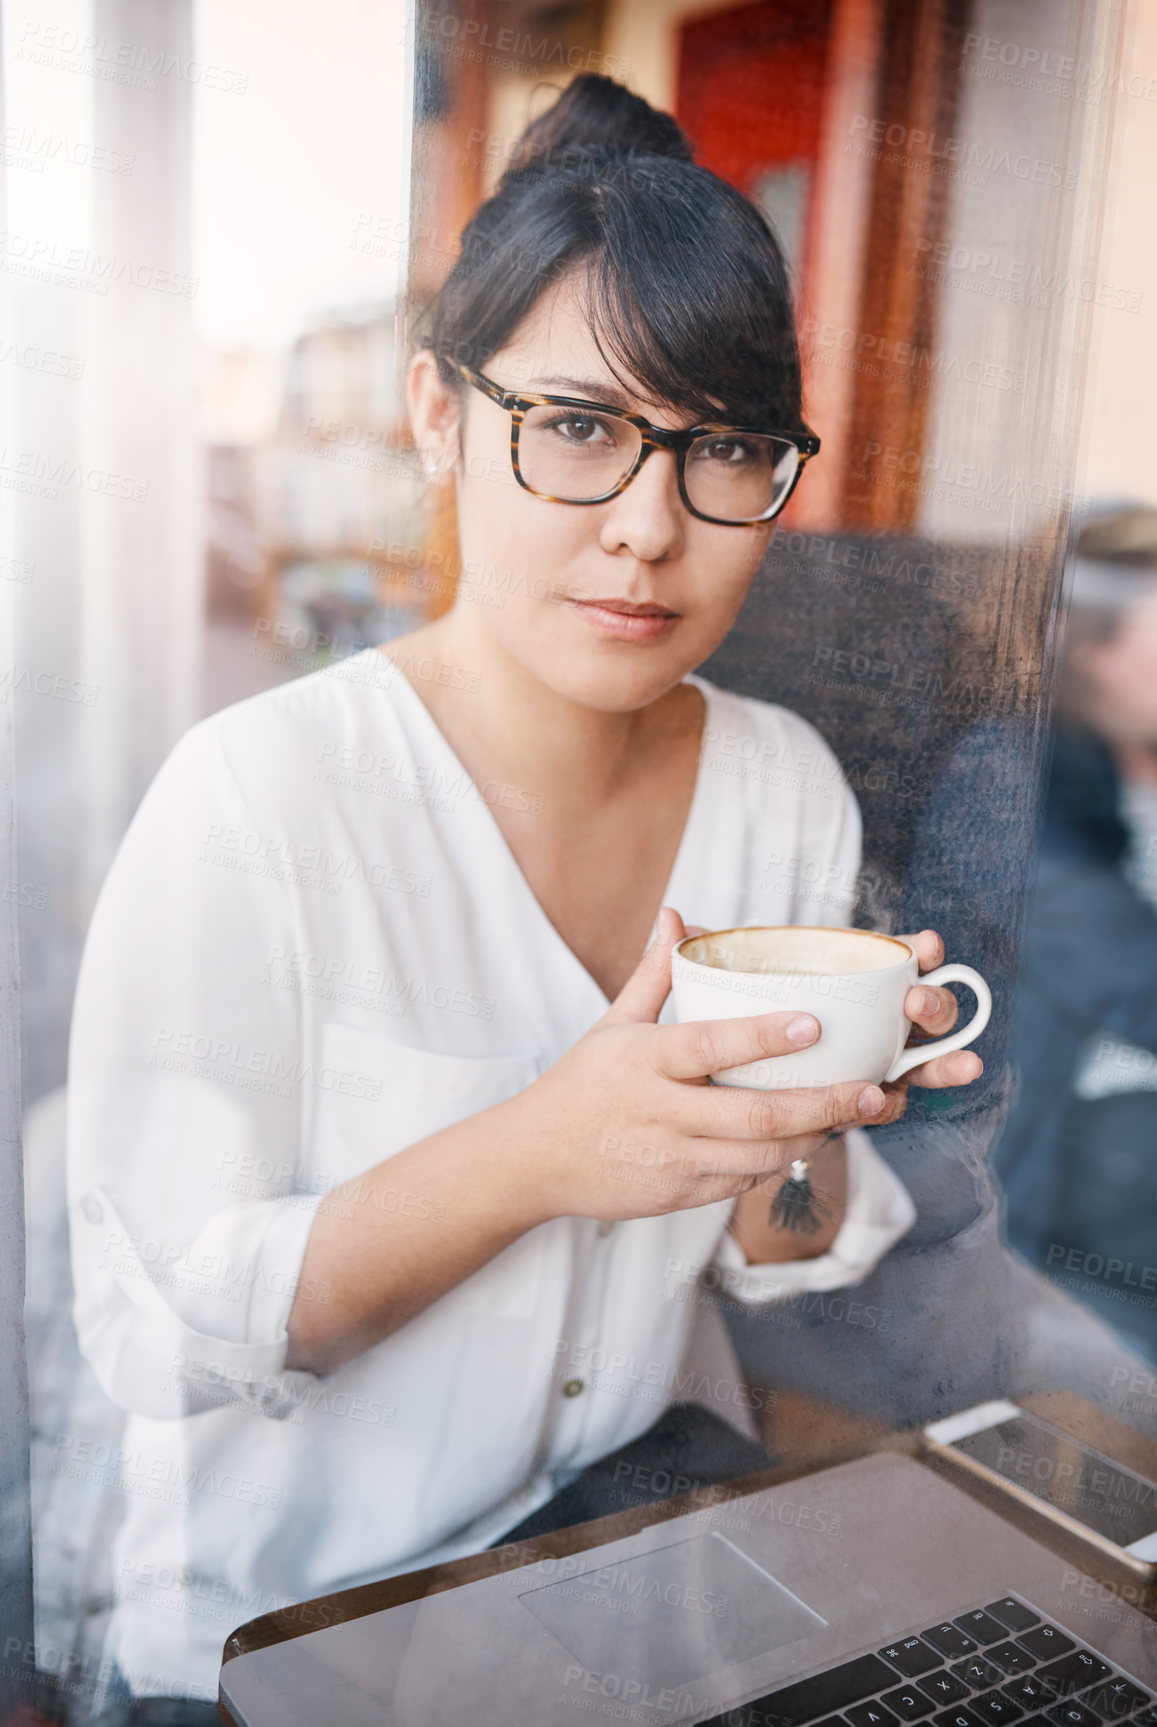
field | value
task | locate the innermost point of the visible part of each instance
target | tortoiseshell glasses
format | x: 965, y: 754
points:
x: 578, y: 452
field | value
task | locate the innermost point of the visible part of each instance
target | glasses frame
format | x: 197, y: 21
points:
x: 517, y: 404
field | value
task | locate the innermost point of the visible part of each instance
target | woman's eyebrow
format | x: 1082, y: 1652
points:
x: 592, y: 388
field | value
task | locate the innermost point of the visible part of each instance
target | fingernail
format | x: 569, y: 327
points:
x: 931, y: 1001
x: 803, y: 1030
x: 870, y: 1100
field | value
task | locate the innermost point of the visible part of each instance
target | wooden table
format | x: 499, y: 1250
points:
x: 809, y: 1436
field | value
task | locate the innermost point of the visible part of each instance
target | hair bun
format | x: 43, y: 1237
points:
x: 595, y: 113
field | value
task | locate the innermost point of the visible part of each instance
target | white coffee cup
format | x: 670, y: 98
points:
x: 853, y: 981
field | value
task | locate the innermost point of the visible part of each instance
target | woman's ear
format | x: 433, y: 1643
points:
x: 435, y: 415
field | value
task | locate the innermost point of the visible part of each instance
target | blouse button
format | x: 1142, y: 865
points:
x: 572, y: 1387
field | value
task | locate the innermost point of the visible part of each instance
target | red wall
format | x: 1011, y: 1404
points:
x: 750, y: 85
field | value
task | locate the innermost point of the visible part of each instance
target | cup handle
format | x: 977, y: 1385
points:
x: 921, y: 1052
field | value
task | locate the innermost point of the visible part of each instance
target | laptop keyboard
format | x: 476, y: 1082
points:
x: 998, y: 1663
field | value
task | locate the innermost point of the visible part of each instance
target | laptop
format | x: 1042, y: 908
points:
x: 872, y: 1594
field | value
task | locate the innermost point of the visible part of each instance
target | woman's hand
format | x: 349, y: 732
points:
x: 934, y: 1013
x: 625, y: 1124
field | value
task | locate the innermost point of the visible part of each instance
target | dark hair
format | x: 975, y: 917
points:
x: 686, y: 287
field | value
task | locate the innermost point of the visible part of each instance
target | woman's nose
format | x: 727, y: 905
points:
x: 648, y: 518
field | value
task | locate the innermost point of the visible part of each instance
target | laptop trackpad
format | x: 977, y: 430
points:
x: 674, y: 1615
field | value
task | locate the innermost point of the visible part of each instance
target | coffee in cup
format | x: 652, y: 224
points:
x: 853, y: 981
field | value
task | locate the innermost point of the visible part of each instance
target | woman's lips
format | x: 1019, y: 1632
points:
x: 627, y: 622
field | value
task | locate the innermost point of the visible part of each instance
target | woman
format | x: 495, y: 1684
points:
x: 390, y: 1190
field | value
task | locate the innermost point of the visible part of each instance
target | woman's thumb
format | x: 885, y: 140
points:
x: 642, y: 996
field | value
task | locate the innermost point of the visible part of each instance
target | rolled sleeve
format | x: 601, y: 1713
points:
x: 173, y: 1330
x: 879, y: 1211
x: 190, y: 1200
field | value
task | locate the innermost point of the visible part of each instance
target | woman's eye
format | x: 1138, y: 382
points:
x: 580, y: 429
x: 726, y: 450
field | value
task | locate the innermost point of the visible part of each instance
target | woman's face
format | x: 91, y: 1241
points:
x: 607, y: 604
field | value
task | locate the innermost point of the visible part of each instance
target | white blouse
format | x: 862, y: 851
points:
x: 314, y: 948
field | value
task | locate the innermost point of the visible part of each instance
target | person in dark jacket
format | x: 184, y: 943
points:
x: 1078, y: 1157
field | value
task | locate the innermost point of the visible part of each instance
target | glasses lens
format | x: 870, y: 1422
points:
x: 740, y: 476
x: 574, y: 454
